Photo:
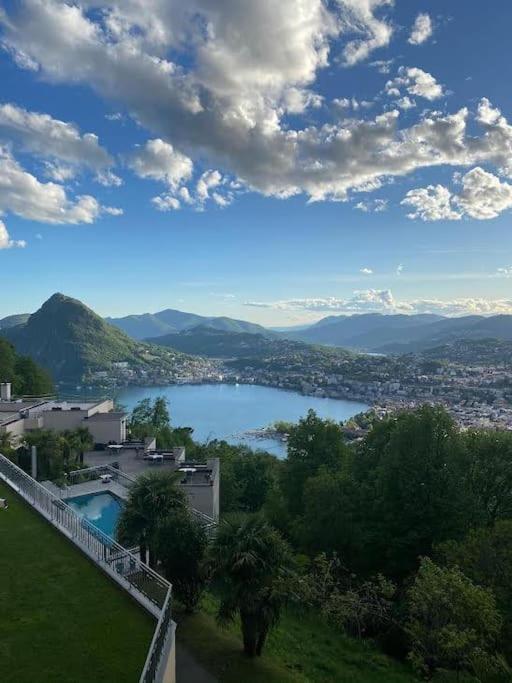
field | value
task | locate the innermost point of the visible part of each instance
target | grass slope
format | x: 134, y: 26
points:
x: 61, y: 619
x: 303, y: 649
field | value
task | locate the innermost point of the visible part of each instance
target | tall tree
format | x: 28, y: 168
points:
x: 153, y: 496
x: 313, y: 443
x: 408, y: 473
x: 249, y: 559
x: 488, y: 476
x: 181, y: 548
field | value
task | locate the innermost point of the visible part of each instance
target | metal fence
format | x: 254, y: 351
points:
x: 119, y: 562
x: 93, y: 473
x: 159, y: 644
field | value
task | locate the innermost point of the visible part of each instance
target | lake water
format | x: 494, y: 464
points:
x: 228, y: 411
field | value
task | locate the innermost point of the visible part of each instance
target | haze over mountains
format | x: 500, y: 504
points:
x: 171, y: 321
x: 68, y: 338
x: 377, y: 333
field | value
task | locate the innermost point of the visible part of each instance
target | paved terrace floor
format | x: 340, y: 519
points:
x: 200, y: 497
x: 61, y: 619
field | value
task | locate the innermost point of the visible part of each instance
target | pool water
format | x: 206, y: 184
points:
x: 100, y: 509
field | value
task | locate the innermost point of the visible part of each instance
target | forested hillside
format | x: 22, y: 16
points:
x: 27, y: 377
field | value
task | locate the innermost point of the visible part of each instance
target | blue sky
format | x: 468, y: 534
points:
x: 275, y: 161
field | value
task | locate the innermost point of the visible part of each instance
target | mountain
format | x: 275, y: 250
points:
x: 449, y: 330
x: 242, y: 350
x: 365, y: 331
x: 204, y: 340
x: 13, y: 320
x: 378, y: 333
x: 170, y: 321
x: 70, y: 341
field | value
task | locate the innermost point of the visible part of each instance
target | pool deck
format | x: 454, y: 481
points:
x: 87, y: 487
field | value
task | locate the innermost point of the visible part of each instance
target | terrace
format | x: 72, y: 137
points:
x: 62, y: 619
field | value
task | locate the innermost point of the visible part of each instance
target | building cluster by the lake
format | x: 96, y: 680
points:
x: 477, y: 396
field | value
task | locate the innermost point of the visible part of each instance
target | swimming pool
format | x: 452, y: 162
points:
x: 100, y: 509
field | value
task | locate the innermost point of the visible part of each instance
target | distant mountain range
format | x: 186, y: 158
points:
x: 170, y: 321
x: 66, y: 336
x: 70, y: 340
x: 377, y: 333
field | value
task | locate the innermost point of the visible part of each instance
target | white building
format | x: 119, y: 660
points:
x: 19, y: 417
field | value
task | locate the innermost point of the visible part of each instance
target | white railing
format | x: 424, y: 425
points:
x: 151, y: 589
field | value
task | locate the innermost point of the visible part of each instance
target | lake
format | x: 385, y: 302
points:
x: 228, y: 411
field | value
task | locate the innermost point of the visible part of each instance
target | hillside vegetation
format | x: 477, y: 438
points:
x: 170, y: 321
x: 26, y: 377
x: 204, y: 340
x: 70, y: 341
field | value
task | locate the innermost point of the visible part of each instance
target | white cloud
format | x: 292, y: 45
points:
x: 399, y: 269
x: 432, y: 203
x: 159, y: 160
x: 166, y: 202
x: 405, y: 103
x: 109, y: 179
x: 372, y: 205
x: 50, y: 138
x: 359, y: 17
x: 422, y: 29
x: 383, y: 66
x: 206, y: 182
x: 246, y: 64
x: 366, y: 271
x: 504, y: 272
x: 23, y: 194
x: 416, y: 82
x: 383, y: 301
x: 112, y: 210
x: 6, y: 242
x: 483, y: 196
x: 58, y: 172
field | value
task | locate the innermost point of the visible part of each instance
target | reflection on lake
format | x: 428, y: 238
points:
x: 227, y: 411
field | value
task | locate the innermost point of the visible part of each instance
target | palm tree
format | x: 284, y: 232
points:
x: 151, y: 499
x: 250, y: 560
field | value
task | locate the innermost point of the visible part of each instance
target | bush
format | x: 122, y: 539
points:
x: 451, y: 623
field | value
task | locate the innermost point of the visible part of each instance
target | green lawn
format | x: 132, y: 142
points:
x: 303, y: 649
x: 61, y: 619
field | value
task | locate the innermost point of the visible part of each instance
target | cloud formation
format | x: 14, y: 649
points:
x: 218, y: 81
x: 483, y: 196
x: 360, y: 17
x: 383, y: 301
x: 6, y: 242
x: 422, y: 29
x: 416, y: 82
x: 49, y: 138
x: 23, y: 194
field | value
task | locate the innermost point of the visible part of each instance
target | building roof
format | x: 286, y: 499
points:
x: 8, y: 417
x: 16, y: 406
x: 106, y: 417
